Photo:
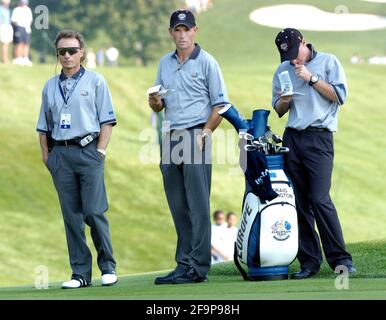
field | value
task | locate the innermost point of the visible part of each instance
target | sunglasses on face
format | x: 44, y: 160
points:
x: 70, y: 50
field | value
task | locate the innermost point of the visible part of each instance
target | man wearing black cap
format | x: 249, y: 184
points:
x: 196, y: 92
x: 318, y: 90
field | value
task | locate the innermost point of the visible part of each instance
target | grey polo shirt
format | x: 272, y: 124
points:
x: 313, y: 109
x: 197, y: 86
x: 85, y: 99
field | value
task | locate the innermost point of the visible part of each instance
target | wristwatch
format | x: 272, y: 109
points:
x: 314, y: 79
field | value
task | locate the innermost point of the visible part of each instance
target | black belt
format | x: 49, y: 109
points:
x: 315, y: 129
x: 309, y: 129
x: 197, y: 126
x: 72, y: 142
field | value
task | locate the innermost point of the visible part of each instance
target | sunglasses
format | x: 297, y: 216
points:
x: 70, y: 50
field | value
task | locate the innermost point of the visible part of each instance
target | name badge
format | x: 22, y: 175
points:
x: 65, y: 121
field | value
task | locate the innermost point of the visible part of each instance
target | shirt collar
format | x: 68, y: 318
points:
x: 75, y: 76
x: 313, y: 51
x: 194, y: 54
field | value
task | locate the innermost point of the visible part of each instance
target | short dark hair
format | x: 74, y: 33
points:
x: 217, y: 213
x: 71, y: 34
x: 231, y: 213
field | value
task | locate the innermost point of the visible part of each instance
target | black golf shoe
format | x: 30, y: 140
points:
x: 189, y: 276
x: 302, y: 274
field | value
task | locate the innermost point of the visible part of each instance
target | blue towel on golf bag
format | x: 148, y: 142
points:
x: 257, y: 175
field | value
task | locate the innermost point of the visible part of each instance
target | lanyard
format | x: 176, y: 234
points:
x: 71, y: 90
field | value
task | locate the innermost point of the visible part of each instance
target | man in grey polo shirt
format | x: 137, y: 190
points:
x: 75, y: 126
x: 196, y: 93
x: 319, y: 89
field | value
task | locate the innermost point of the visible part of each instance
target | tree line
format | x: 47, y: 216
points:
x: 136, y: 27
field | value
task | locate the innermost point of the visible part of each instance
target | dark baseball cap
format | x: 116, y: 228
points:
x: 288, y: 41
x: 184, y: 17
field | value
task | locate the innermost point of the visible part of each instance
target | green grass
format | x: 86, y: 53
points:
x: 225, y: 283
x: 143, y: 236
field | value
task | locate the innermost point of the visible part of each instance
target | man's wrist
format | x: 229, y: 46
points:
x: 205, y: 135
x: 313, y: 79
x: 102, y: 151
x: 206, y: 132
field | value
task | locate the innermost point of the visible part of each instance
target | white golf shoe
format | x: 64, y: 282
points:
x: 75, y: 283
x: 109, y: 279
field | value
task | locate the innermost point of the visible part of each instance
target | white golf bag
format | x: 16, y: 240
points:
x: 267, y: 241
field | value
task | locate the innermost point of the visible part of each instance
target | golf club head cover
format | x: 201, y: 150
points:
x: 230, y: 113
x: 259, y: 122
x: 257, y: 176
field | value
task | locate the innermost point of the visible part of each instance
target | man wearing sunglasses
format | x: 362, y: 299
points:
x: 75, y: 126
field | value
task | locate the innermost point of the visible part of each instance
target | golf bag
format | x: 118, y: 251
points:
x: 267, y: 240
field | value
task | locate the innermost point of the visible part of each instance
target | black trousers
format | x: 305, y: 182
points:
x: 309, y: 165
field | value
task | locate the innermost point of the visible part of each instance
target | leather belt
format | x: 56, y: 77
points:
x: 72, y: 142
x: 75, y: 141
x: 197, y: 126
x: 315, y: 129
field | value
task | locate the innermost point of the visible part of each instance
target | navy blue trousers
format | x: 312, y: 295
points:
x: 309, y: 165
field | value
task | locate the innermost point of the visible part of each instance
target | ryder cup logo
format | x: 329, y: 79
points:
x: 284, y: 46
x: 182, y: 16
x: 281, y: 230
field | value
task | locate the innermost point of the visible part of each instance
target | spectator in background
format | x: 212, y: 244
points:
x: 231, y: 235
x: 219, y: 219
x: 224, y: 235
x: 91, y: 59
x: 377, y: 59
x: 198, y: 6
x: 6, y: 30
x: 219, y: 227
x: 112, y: 55
x: 232, y: 229
x: 356, y: 58
x: 22, y: 20
x: 100, y: 58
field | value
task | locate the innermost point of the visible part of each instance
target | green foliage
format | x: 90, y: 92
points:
x: 136, y: 27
